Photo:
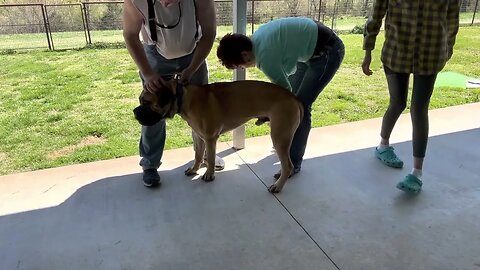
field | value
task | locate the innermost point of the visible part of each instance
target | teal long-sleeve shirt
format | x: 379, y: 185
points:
x: 280, y: 44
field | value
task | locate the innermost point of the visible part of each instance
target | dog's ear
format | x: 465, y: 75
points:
x: 145, y: 116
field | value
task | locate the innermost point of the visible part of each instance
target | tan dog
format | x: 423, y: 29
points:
x: 216, y: 108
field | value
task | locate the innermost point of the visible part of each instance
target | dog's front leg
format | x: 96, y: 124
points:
x: 211, y: 144
x: 199, y: 148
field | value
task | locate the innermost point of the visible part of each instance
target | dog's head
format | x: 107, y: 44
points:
x: 157, y: 106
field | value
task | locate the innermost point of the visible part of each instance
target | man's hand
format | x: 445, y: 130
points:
x: 205, y: 13
x: 366, y: 63
x: 186, y: 75
x: 154, y: 83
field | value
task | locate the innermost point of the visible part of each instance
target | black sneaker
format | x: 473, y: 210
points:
x: 151, y: 178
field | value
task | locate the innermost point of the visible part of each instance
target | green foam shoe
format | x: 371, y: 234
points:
x: 388, y: 157
x: 410, y: 184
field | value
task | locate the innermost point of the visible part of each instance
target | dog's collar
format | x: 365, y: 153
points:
x: 179, y: 96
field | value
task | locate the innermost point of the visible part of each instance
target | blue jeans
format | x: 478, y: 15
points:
x: 152, y: 140
x: 307, y: 83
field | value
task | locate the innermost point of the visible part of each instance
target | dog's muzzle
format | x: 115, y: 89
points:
x: 146, y: 117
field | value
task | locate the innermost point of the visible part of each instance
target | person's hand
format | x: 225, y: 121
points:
x: 186, y: 76
x: 153, y: 83
x: 366, y: 64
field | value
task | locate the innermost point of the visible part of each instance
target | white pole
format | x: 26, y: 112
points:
x: 239, y: 26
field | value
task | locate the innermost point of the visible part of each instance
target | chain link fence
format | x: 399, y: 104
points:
x: 15, y: 27
x: 68, y: 26
x: 65, y: 24
x: 104, y: 21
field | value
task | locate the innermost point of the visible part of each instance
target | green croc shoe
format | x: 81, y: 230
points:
x: 388, y: 157
x: 410, y: 184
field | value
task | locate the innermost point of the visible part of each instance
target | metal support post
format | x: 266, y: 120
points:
x: 239, y: 26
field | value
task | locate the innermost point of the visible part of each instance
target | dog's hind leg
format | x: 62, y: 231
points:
x: 211, y: 144
x: 199, y: 148
x: 282, y: 135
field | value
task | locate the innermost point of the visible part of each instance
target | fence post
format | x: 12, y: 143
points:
x: 334, y: 13
x: 239, y: 26
x: 320, y: 11
x: 87, y: 27
x: 47, y: 27
x: 84, y: 23
x: 474, y: 12
x: 253, y: 15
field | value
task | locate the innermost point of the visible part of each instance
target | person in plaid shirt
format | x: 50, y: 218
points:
x: 419, y: 39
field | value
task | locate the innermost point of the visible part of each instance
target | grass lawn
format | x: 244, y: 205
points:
x: 66, y: 107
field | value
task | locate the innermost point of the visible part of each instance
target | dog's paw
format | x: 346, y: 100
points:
x: 208, y: 177
x: 274, y: 189
x: 190, y: 171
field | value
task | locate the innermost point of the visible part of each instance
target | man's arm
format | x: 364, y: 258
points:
x: 205, y: 10
x: 132, y: 23
x: 281, y: 79
x: 276, y: 74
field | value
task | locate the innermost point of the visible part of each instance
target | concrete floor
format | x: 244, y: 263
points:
x: 341, y: 212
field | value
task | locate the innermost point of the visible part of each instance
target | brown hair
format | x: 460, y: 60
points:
x: 230, y: 49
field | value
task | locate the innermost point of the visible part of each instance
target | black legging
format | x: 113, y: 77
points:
x: 422, y: 91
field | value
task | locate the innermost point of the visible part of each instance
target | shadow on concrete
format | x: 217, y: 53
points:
x: 344, y: 205
x: 348, y: 203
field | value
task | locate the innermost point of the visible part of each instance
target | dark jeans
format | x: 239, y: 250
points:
x: 307, y: 83
x: 422, y: 91
x: 152, y: 140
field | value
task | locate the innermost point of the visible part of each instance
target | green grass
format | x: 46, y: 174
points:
x: 73, y: 106
x: 61, y: 40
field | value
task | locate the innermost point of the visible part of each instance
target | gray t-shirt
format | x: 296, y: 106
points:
x: 178, y: 41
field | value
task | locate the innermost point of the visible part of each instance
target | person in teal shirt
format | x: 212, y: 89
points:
x: 297, y: 53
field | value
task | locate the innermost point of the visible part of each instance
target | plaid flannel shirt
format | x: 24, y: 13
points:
x: 419, y: 34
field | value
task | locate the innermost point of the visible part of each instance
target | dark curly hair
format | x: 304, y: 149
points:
x: 230, y: 49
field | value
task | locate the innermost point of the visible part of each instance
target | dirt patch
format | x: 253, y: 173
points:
x: 67, y: 150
